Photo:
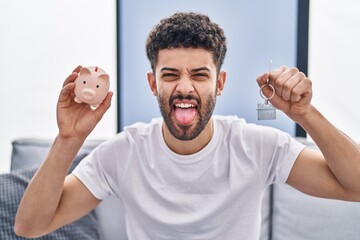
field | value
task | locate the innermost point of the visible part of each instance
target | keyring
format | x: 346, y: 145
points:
x: 266, y: 111
x: 262, y: 94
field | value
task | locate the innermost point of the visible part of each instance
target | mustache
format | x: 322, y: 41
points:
x: 182, y: 97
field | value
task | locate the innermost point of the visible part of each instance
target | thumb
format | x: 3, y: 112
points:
x: 261, y: 80
x: 267, y: 91
x: 103, y: 107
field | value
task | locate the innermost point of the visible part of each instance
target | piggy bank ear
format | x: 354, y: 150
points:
x: 85, y: 70
x: 104, y: 76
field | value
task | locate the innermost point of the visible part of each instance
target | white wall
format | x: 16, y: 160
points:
x: 41, y: 43
x: 334, y: 50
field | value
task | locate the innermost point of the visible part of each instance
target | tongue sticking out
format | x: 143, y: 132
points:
x: 185, y: 115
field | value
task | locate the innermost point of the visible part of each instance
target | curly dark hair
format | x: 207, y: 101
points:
x: 187, y: 30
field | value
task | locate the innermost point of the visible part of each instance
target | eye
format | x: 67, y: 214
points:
x: 200, y: 76
x: 84, y: 82
x: 169, y: 76
x: 97, y: 86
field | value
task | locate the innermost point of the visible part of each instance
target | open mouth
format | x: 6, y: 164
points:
x: 185, y: 112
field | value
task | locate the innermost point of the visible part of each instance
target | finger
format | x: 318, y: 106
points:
x: 103, y: 107
x: 66, y: 92
x: 282, y: 78
x: 302, y: 91
x: 72, y: 76
x: 266, y: 90
x: 270, y: 75
x: 261, y: 80
x: 274, y: 74
x: 290, y: 84
x: 77, y: 69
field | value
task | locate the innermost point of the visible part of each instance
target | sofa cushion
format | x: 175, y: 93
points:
x: 12, y: 187
x: 297, y: 216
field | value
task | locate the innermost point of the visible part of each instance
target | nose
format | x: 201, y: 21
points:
x: 88, y: 94
x: 184, y: 85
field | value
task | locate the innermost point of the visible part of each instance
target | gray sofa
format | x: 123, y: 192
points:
x: 286, y: 213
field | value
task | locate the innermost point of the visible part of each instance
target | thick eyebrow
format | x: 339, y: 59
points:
x: 169, y: 69
x: 200, y: 69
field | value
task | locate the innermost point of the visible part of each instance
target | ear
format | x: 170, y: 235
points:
x: 152, y: 82
x: 221, y: 82
x: 104, y: 76
x: 85, y: 70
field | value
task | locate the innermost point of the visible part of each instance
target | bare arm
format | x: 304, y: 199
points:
x: 53, y: 199
x: 333, y: 173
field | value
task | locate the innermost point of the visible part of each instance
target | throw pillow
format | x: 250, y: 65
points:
x: 12, y: 187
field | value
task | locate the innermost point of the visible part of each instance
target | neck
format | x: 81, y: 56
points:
x: 191, y: 146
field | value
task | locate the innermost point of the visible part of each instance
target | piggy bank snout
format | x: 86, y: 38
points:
x: 88, y: 93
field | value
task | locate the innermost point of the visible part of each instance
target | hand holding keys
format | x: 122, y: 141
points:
x: 265, y: 110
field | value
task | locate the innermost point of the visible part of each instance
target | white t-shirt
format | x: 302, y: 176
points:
x: 215, y: 193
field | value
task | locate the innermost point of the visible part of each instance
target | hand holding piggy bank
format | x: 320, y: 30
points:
x: 91, y: 86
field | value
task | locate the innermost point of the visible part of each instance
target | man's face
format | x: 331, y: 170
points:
x: 186, y: 87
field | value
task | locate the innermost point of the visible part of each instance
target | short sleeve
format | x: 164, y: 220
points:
x: 281, y: 151
x: 283, y: 168
x: 102, y: 170
x: 91, y: 174
x: 274, y: 152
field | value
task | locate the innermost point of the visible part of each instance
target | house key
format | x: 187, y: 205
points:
x: 265, y: 110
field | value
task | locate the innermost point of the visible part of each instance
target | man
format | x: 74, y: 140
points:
x: 188, y: 175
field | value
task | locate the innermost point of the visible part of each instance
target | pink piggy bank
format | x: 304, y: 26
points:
x: 91, y: 86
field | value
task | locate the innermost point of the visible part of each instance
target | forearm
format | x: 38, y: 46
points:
x: 43, y: 194
x: 341, y: 153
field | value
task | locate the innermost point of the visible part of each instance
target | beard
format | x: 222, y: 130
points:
x: 203, y: 113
